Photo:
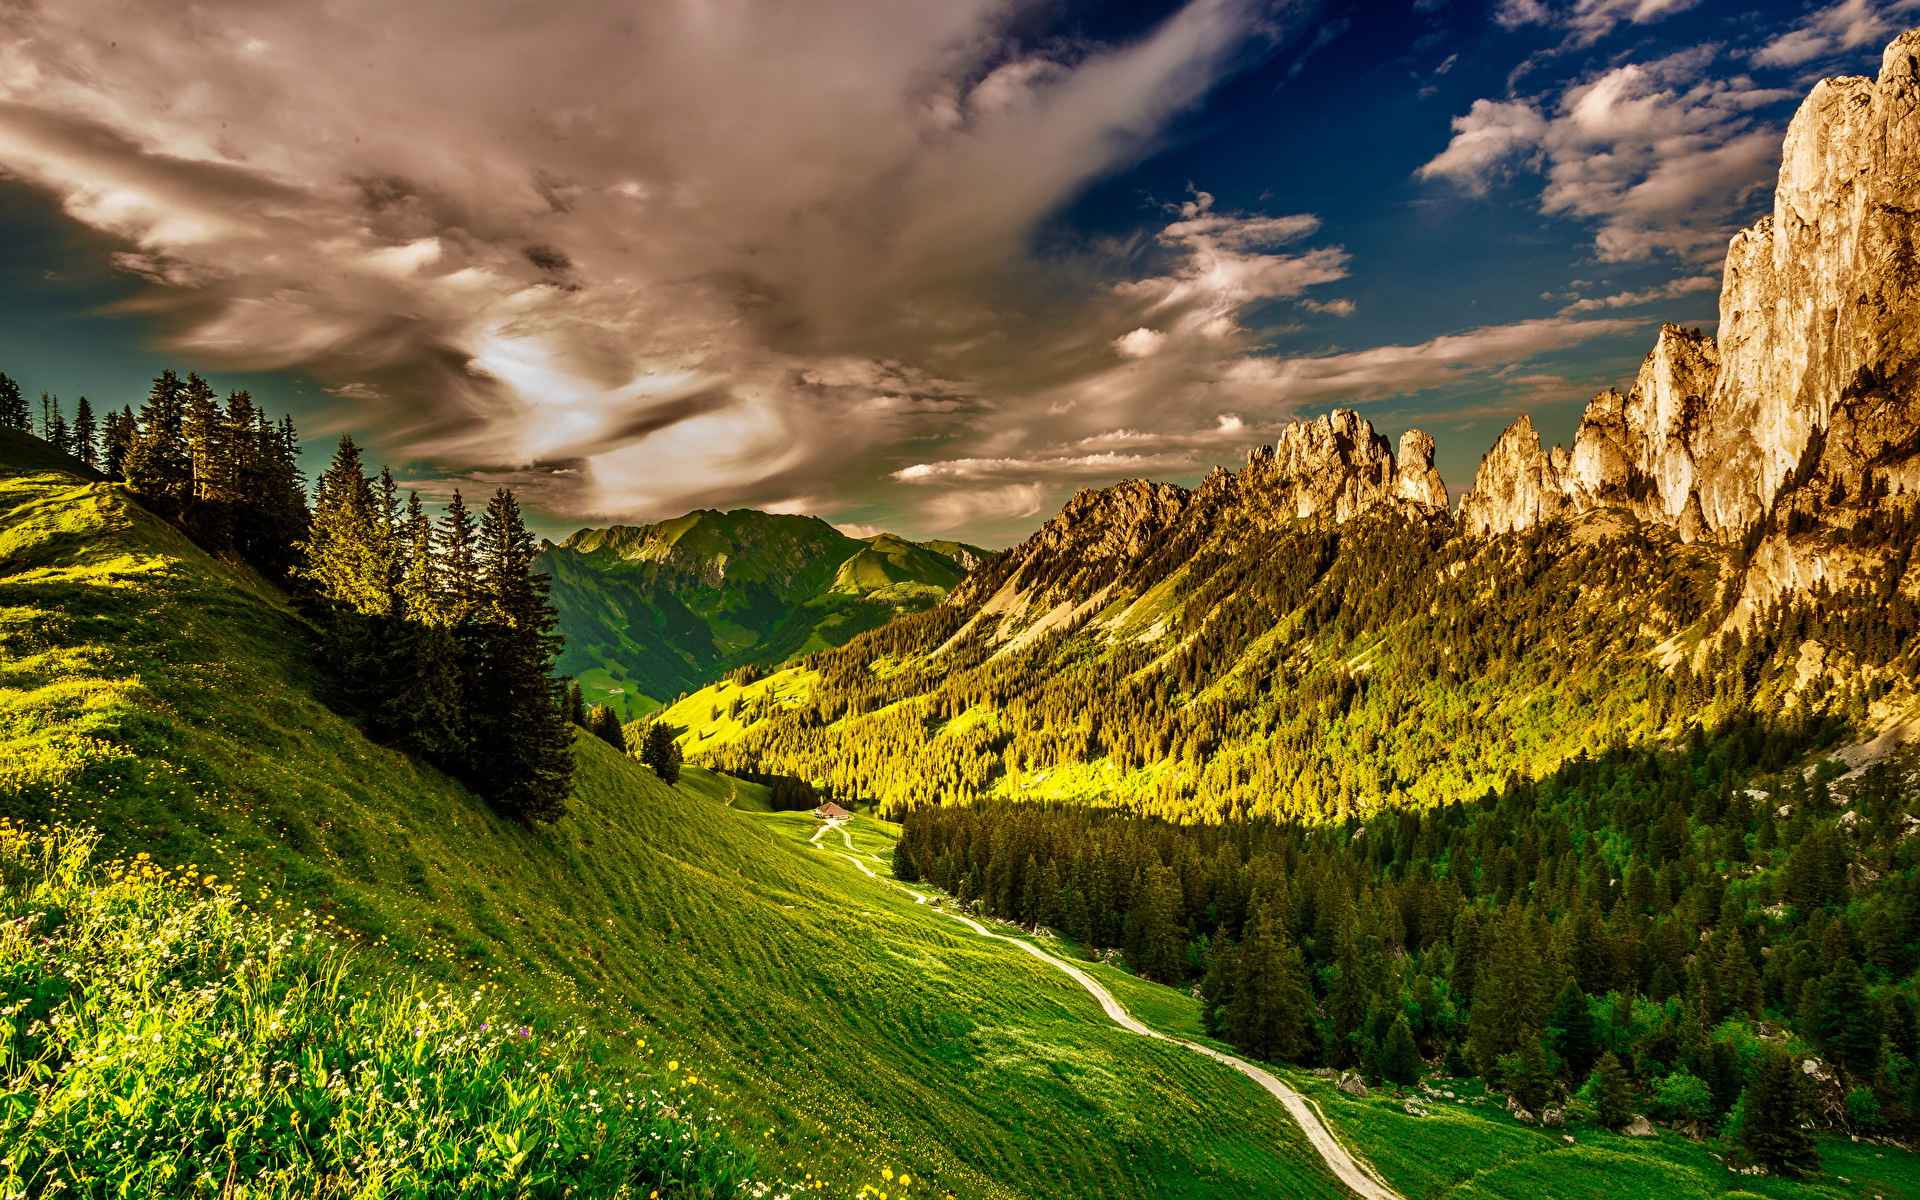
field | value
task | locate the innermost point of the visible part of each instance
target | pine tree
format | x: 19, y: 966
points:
x: 13, y: 407
x: 460, y: 566
x: 85, y: 434
x: 1770, y: 1130
x: 1842, y: 1023
x: 118, y: 432
x: 1399, y: 1060
x: 1576, y: 1037
x: 1271, y: 1007
x: 521, y: 747
x: 577, y: 706
x: 662, y: 753
x: 605, y: 725
x: 344, y: 548
x: 157, y: 465
x: 1155, y: 948
x: 1613, y: 1095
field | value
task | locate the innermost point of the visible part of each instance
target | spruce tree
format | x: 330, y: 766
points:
x: 662, y: 753
x: 577, y: 706
x: 344, y: 547
x: 86, y: 434
x: 118, y: 431
x: 1154, y: 946
x: 1399, y: 1060
x: 13, y: 407
x: 157, y: 465
x: 1842, y: 1023
x: 1770, y: 1129
x: 522, y: 744
x: 459, y: 564
x: 1271, y: 1005
x: 1612, y: 1093
x: 1576, y: 1037
x: 605, y: 725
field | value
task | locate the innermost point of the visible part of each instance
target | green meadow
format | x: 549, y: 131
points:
x: 172, y: 703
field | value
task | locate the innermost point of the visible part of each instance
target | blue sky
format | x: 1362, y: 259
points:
x: 927, y: 267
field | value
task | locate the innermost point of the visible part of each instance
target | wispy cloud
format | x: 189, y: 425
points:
x: 662, y: 253
x: 1659, y: 156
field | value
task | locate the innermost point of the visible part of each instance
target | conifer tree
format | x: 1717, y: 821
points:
x: 1154, y: 945
x: 1612, y: 1094
x: 157, y: 464
x: 605, y: 725
x: 1271, y: 1006
x: 460, y: 566
x: 1842, y: 1023
x: 344, y: 548
x: 1399, y: 1060
x: 521, y: 745
x: 85, y: 434
x: 13, y: 407
x: 1771, y: 1107
x: 662, y: 753
x: 1576, y: 1038
x: 419, y: 591
x: 116, y: 442
x: 577, y: 706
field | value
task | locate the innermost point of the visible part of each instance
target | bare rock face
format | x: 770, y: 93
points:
x: 1816, y: 374
x: 1338, y: 466
x: 1518, y: 485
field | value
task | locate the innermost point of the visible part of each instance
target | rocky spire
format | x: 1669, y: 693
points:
x: 1336, y: 465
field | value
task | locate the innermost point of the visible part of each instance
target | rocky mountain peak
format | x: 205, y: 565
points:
x: 1336, y: 465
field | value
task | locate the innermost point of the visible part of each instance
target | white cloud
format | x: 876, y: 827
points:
x: 1108, y: 465
x: 1387, y: 371
x: 1656, y: 155
x: 727, y: 253
x: 1011, y: 502
x: 1848, y: 25
x: 1667, y: 291
x: 859, y: 529
x: 1141, y: 343
x: 1587, y: 21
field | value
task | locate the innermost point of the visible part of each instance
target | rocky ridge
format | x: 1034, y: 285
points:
x: 1809, y: 387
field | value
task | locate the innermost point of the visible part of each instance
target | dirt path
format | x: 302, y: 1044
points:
x: 1353, y: 1172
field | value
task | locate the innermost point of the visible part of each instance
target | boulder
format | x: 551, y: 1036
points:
x: 1640, y: 1127
x: 1353, y: 1085
x: 1523, y: 1116
x: 1553, y: 1115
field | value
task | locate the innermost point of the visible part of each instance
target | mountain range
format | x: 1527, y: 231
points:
x: 651, y: 611
x: 1736, y: 526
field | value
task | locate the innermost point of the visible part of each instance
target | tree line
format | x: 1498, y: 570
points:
x: 222, y: 470
x: 1671, y: 908
x: 438, y: 632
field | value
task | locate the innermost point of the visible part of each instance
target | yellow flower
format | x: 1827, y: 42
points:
x: 673, y: 1064
x: 886, y: 1173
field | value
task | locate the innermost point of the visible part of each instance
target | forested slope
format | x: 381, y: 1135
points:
x: 172, y: 702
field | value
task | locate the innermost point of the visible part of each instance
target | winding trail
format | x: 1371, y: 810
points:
x: 1355, y: 1173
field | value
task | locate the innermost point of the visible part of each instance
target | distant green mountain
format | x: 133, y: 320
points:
x: 650, y: 611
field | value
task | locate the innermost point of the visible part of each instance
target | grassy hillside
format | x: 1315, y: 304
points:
x: 169, y: 701
x: 651, y: 611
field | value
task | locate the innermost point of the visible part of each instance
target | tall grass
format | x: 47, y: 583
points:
x: 159, y: 1039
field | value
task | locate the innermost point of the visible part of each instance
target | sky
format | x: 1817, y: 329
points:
x: 927, y: 266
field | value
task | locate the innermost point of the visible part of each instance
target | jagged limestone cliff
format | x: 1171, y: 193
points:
x: 1810, y: 386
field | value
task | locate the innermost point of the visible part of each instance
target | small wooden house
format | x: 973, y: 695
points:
x: 831, y: 812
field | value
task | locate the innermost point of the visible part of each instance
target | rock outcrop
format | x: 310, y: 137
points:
x: 1337, y: 466
x: 1814, y: 377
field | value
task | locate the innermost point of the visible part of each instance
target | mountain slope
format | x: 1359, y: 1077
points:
x: 1316, y: 635
x: 650, y: 611
x: 170, y: 702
